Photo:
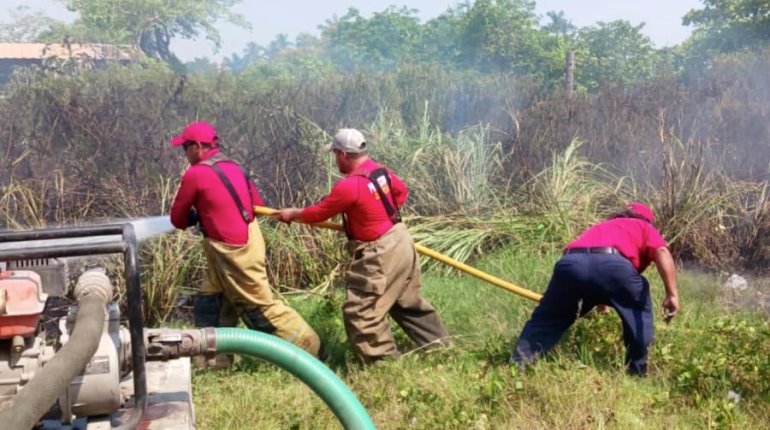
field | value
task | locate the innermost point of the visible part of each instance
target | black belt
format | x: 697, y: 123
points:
x: 593, y: 250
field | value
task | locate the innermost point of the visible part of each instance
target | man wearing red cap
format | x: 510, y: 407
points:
x: 603, y: 266
x: 217, y: 193
x: 383, y: 277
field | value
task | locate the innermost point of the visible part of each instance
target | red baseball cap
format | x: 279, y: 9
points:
x: 642, y: 210
x: 202, y: 132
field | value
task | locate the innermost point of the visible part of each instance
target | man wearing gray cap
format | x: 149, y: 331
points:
x: 384, y: 272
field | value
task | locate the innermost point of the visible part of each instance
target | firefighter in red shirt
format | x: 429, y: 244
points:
x: 384, y: 272
x: 603, y: 266
x: 217, y: 193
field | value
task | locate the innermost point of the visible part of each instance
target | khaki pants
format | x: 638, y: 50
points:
x: 238, y: 272
x: 384, y: 279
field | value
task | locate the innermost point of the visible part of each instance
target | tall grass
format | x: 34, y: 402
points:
x: 691, y: 199
x: 302, y: 257
x: 580, y: 385
x: 493, y: 168
x: 549, y: 210
x: 172, y: 264
x: 750, y: 226
x: 567, y: 196
x: 488, y: 163
x: 445, y: 173
x: 465, y: 146
x: 20, y: 207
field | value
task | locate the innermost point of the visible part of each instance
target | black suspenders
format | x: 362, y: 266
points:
x: 233, y: 194
x: 212, y: 162
x: 390, y: 207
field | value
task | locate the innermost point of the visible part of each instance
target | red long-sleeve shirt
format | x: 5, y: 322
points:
x: 357, y: 198
x: 202, y: 188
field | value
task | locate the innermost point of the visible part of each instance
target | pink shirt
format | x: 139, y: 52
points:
x: 356, y: 197
x: 202, y: 188
x: 636, y: 239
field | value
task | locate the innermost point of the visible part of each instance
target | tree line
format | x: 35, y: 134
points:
x: 484, y: 36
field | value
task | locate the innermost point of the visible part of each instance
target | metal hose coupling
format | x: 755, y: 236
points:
x: 94, y: 281
x: 165, y: 344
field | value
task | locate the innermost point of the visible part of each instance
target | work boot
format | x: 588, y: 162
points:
x: 206, y: 309
x: 255, y: 319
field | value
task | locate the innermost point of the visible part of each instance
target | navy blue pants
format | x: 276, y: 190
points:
x: 580, y: 282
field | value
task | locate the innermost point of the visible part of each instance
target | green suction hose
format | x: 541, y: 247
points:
x: 304, y: 366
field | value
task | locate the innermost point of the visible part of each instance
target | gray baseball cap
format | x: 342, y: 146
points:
x: 349, y: 140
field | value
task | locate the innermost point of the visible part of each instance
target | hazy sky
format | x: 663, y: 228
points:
x: 662, y: 18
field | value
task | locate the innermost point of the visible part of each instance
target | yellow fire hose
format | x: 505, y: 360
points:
x: 515, y: 289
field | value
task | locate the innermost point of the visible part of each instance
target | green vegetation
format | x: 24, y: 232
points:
x: 488, y: 37
x: 729, y: 25
x: 469, y: 109
x: 706, y: 353
x: 94, y: 146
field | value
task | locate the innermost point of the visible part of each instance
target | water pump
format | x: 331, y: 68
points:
x: 78, y: 363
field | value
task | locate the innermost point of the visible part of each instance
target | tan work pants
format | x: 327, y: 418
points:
x: 239, y: 273
x: 384, y: 279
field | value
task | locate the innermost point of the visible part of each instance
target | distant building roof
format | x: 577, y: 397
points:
x: 39, y: 51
